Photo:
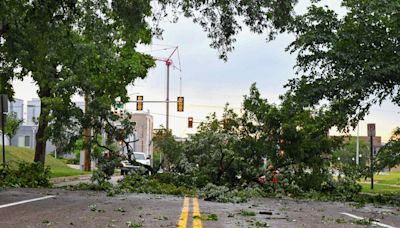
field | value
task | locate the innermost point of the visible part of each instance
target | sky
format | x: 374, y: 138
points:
x: 208, y: 83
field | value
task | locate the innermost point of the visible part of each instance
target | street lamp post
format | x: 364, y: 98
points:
x: 33, y: 136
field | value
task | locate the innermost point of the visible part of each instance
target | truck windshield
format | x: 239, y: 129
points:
x: 139, y: 156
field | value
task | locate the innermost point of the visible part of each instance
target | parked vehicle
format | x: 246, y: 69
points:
x: 140, y: 157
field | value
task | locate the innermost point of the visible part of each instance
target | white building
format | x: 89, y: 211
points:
x: 80, y: 104
x: 144, y: 133
x: 17, y: 107
x: 33, y: 109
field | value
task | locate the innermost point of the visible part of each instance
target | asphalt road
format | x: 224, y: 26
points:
x: 63, y: 208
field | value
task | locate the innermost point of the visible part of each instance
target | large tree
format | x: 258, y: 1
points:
x: 351, y: 61
x: 291, y: 137
x: 88, y: 47
x: 265, y: 137
x: 69, y: 47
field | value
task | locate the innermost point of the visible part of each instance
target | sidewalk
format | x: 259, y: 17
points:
x: 75, y: 180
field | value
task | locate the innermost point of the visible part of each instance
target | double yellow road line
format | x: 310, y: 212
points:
x: 185, y: 212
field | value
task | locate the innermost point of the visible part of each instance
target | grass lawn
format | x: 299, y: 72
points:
x: 387, y: 178
x: 382, y: 183
x: 379, y: 188
x: 58, y: 167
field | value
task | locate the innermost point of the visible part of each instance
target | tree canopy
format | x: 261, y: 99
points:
x: 88, y: 47
x: 351, y: 61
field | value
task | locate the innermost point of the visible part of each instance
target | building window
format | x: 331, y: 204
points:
x: 27, y: 141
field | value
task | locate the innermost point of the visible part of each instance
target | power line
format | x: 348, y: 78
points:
x: 178, y: 117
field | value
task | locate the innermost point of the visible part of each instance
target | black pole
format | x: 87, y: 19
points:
x: 372, y: 163
x: 2, y: 131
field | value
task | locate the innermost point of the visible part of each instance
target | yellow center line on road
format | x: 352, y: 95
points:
x: 184, y: 215
x: 196, y: 213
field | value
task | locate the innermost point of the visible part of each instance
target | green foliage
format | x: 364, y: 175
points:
x: 142, y: 184
x: 31, y: 175
x: 135, y: 224
x: 223, y: 20
x: 350, y: 61
x: 224, y: 195
x: 13, y: 123
x: 347, y: 152
x: 231, y: 153
x: 84, y: 47
x: 247, y: 213
x: 107, y: 163
x: 169, y: 149
x: 209, y: 217
x: 389, y: 154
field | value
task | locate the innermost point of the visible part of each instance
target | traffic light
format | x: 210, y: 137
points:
x: 281, y: 147
x: 139, y: 103
x: 190, y: 122
x: 118, y: 112
x: 180, y: 105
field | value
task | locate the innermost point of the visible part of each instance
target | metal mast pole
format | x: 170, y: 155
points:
x: 168, y: 63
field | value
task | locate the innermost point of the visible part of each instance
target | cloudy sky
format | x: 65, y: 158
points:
x: 208, y: 83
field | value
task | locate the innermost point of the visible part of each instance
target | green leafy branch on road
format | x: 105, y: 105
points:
x: 31, y: 175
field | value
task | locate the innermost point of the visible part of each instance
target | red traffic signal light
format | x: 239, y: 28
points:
x: 180, y: 105
x: 190, y: 122
x: 139, y: 103
x: 281, y: 147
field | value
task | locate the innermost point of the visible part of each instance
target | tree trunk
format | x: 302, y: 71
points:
x: 41, y: 138
x: 9, y: 141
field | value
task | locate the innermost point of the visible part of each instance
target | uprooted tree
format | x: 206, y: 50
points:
x: 265, y: 137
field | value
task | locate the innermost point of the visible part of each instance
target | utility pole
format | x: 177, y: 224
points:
x: 87, y: 136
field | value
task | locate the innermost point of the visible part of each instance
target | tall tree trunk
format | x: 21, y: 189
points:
x: 41, y: 138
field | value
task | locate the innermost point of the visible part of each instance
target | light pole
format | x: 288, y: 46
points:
x: 33, y: 136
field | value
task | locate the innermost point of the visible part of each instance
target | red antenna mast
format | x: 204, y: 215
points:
x: 168, y: 62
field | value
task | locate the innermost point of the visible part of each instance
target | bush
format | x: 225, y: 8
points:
x: 26, y: 175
